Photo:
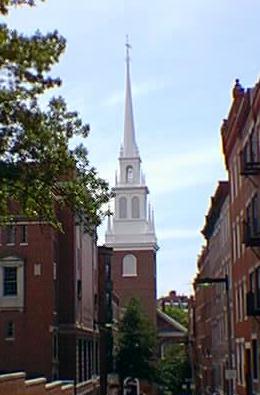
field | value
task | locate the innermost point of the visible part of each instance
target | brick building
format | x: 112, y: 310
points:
x: 211, y: 338
x: 174, y: 300
x: 131, y: 233
x: 240, y: 135
x: 48, y: 300
x: 241, y: 144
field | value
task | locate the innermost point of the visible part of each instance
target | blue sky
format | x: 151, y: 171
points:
x: 186, y: 55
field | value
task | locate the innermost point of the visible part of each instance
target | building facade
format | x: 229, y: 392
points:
x: 240, y: 136
x: 213, y: 340
x: 131, y: 232
x: 48, y: 300
x: 239, y: 259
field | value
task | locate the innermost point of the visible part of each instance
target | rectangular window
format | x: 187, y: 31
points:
x: 234, y: 242
x: 23, y: 234
x: 10, y: 234
x: 238, y: 238
x: 79, y: 289
x: 235, y: 178
x: 80, y: 344
x: 255, y: 358
x: 238, y: 303
x: 55, y: 346
x: 37, y: 269
x: 243, y: 312
x: 252, y: 281
x: 54, y: 271
x: 237, y: 362
x: 90, y: 358
x: 9, y: 330
x: 107, y: 267
x: 85, y: 361
x: 244, y: 294
x: 257, y: 287
x: 10, y: 281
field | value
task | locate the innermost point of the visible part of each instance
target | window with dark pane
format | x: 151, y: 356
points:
x: 107, y: 267
x: 85, y: 361
x: 79, y: 289
x: 10, y: 234
x: 255, y: 358
x: 10, y: 281
x: 55, y: 346
x: 257, y: 287
x: 23, y: 234
x: 9, y: 330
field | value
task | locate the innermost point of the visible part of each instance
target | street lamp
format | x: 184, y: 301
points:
x: 223, y: 280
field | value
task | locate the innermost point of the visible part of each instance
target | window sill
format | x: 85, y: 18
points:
x: 9, y: 339
x: 129, y: 275
x: 10, y: 244
x: 23, y: 244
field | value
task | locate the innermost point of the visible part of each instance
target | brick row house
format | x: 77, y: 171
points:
x: 210, y: 303
x: 240, y: 134
x: 108, y: 319
x: 241, y: 144
x: 48, y: 300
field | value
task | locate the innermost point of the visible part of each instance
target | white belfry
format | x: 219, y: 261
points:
x: 132, y: 227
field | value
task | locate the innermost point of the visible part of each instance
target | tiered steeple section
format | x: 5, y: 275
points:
x: 132, y: 226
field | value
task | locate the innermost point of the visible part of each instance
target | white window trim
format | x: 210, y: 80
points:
x: 124, y: 274
x: 11, y: 302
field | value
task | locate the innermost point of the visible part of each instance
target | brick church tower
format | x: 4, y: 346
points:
x: 131, y: 232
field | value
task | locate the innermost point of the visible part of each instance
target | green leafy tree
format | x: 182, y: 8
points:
x: 37, y: 167
x: 136, y: 344
x: 178, y: 313
x: 174, y: 369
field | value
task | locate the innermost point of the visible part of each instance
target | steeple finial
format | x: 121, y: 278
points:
x: 129, y: 145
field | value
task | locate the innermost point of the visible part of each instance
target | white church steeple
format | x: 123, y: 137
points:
x: 132, y: 225
x: 129, y: 148
x: 131, y: 232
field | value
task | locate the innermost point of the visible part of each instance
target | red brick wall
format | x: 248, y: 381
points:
x: 32, y: 325
x: 143, y: 286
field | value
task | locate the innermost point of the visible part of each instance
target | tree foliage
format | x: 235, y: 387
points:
x: 136, y: 344
x: 174, y: 369
x: 5, y: 4
x: 37, y: 167
x: 178, y: 313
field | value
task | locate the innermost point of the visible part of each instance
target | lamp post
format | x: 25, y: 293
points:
x: 223, y: 280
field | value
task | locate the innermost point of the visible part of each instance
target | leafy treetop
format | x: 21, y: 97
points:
x: 136, y: 344
x: 178, y: 313
x: 37, y: 168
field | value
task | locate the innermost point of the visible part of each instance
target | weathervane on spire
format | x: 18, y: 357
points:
x: 128, y: 46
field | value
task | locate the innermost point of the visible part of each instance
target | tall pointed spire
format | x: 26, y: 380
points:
x: 129, y: 145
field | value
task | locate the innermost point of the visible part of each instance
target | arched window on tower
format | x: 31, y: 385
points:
x: 122, y: 207
x: 129, y: 174
x: 129, y: 266
x: 135, y: 207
